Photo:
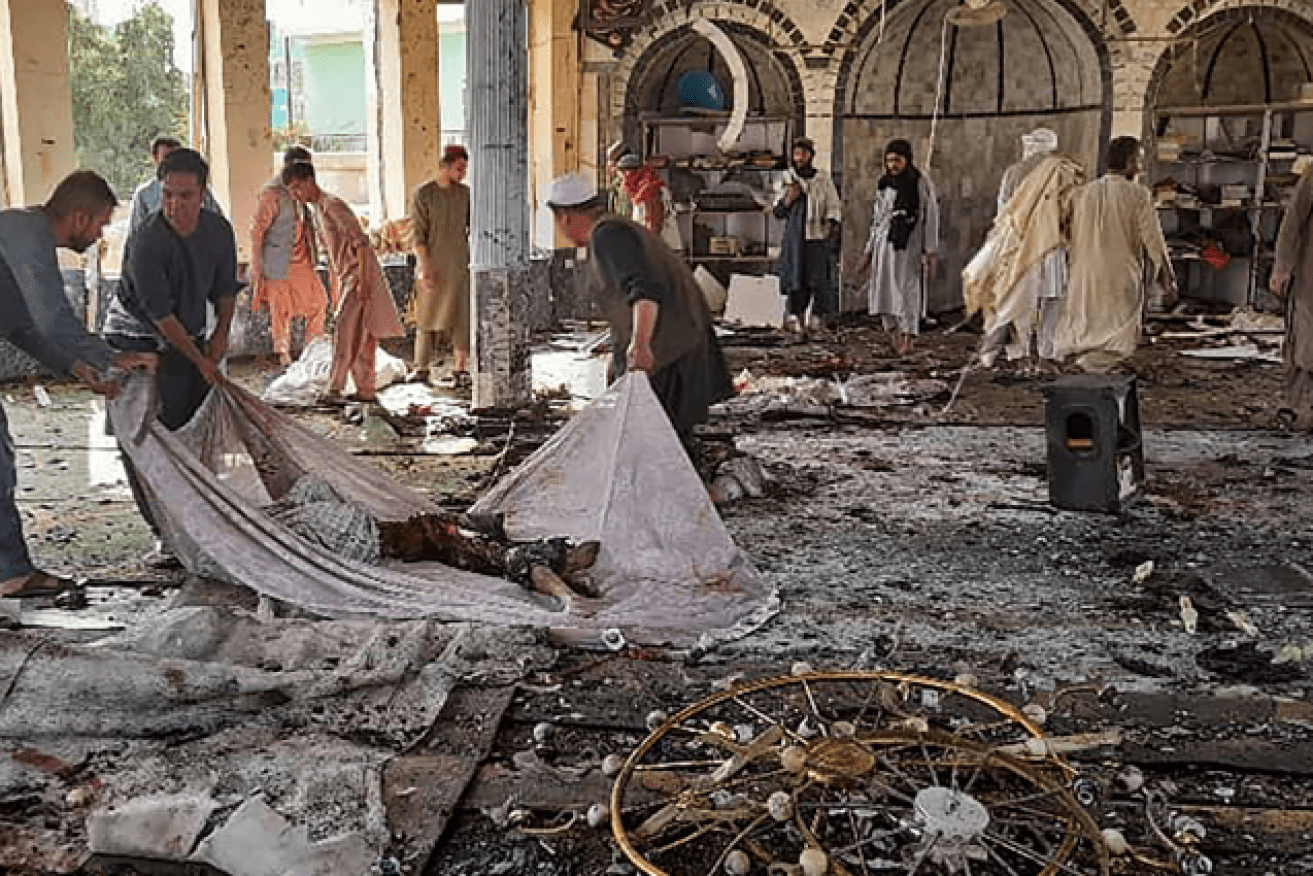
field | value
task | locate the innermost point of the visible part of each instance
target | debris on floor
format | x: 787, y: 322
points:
x: 898, y: 543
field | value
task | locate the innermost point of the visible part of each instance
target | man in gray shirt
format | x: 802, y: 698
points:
x: 36, y: 317
x: 181, y: 262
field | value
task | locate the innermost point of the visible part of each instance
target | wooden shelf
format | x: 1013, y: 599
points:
x: 718, y: 118
x: 1234, y: 109
x: 724, y: 168
x: 725, y: 258
x: 1207, y: 162
x: 1167, y: 208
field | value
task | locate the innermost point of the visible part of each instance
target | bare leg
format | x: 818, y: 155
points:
x: 546, y: 581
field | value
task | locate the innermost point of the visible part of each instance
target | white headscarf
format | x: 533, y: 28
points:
x: 1037, y: 141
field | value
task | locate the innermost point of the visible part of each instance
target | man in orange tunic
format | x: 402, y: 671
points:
x: 365, y: 311
x: 283, y: 254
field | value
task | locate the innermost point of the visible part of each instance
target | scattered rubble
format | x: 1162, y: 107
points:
x: 900, y: 540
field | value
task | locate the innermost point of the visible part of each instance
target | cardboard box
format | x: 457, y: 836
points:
x: 754, y: 301
x: 725, y: 246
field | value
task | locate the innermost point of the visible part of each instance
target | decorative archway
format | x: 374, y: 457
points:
x: 774, y: 87
x: 767, y: 32
x: 1218, y: 54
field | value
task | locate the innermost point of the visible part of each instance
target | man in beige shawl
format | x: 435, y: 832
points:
x: 1018, y: 278
x: 1115, y: 236
x: 1292, y: 279
x: 363, y: 300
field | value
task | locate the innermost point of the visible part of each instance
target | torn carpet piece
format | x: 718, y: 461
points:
x: 668, y: 572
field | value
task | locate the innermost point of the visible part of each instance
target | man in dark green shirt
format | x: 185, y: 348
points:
x: 658, y: 314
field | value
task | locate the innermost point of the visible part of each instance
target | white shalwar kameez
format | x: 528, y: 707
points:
x: 1043, y: 286
x: 896, y: 289
x: 1115, y: 236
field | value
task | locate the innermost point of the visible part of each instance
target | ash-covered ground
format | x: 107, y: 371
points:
x: 904, y: 538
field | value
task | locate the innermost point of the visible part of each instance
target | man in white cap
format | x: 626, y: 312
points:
x: 1025, y: 325
x: 658, y: 314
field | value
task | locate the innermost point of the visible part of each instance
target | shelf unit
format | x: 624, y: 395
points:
x: 689, y: 146
x: 1253, y: 128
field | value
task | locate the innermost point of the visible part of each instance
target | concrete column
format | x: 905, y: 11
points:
x: 405, y: 129
x: 554, y: 104
x: 36, y: 99
x: 236, y: 138
x: 498, y: 122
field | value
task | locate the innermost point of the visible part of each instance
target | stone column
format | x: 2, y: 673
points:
x: 36, y: 98
x: 1132, y: 72
x: 401, y: 59
x: 236, y: 139
x: 555, y: 88
x: 498, y: 122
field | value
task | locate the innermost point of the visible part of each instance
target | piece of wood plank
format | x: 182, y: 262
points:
x: 542, y: 789
x: 1289, y: 758
x: 1289, y: 831
x: 422, y: 788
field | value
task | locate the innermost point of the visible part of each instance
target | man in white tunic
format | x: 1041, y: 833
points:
x: 810, y: 208
x: 1115, y: 236
x: 902, y: 248
x: 1029, y: 325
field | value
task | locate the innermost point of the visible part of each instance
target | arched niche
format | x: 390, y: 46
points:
x: 1042, y: 65
x: 1230, y: 80
x: 774, y: 87
x: 1240, y: 56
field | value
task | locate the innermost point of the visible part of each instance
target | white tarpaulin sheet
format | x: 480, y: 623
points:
x: 668, y: 571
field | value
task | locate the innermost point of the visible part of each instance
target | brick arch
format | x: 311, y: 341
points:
x: 1194, y: 12
x: 758, y: 19
x: 1216, y: 12
x: 860, y: 18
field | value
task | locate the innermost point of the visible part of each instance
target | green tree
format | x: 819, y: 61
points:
x: 126, y: 92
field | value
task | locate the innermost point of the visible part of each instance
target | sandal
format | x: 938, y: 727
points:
x: 331, y: 399
x: 36, y: 584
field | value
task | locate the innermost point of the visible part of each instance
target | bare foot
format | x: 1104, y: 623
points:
x: 546, y: 581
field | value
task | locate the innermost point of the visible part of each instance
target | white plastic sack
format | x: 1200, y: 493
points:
x: 307, y: 378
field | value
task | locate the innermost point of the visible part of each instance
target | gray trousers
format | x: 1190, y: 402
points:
x: 14, y: 559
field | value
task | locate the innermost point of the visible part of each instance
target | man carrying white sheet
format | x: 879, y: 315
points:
x: 36, y: 317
